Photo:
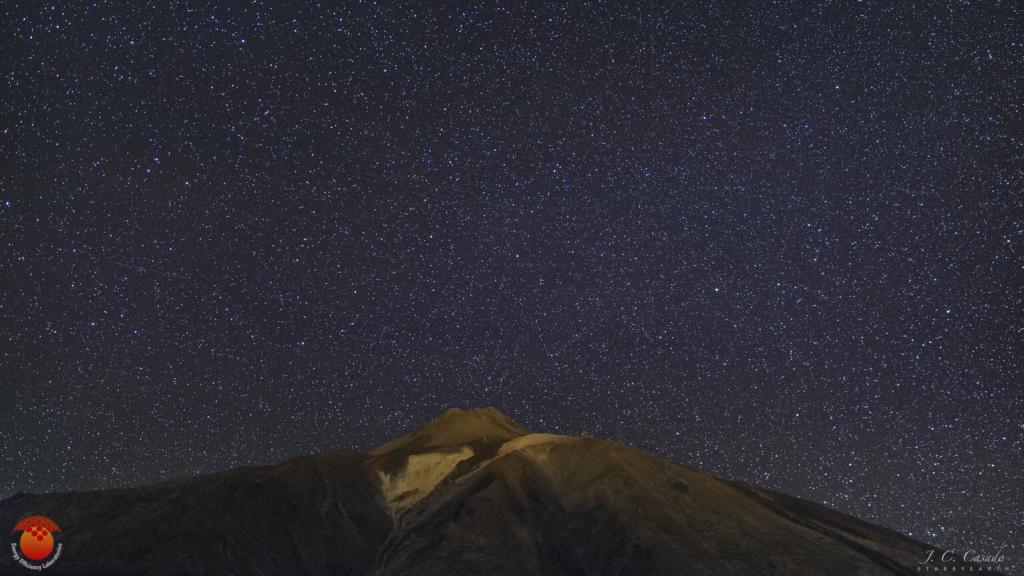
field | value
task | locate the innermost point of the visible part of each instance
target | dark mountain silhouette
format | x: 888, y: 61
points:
x: 469, y: 493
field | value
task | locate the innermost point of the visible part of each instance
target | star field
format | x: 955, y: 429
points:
x: 779, y: 243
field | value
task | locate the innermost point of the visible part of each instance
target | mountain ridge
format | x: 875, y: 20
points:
x: 469, y: 492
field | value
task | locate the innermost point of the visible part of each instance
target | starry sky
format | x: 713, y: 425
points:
x: 779, y: 242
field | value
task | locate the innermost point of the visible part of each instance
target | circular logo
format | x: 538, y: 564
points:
x: 38, y: 542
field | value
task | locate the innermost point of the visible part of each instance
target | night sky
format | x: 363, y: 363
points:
x: 779, y: 243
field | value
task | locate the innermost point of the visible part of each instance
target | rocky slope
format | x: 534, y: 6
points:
x: 469, y: 493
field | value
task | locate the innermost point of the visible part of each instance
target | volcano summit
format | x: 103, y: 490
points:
x: 471, y: 492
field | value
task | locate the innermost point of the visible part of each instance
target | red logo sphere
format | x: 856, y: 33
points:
x: 36, y: 541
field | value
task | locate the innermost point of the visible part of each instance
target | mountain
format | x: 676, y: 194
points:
x: 469, y: 493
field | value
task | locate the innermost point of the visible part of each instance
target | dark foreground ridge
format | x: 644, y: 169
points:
x: 469, y: 493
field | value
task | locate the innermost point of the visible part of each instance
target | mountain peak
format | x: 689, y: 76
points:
x: 487, y: 413
x: 456, y: 427
x: 470, y: 492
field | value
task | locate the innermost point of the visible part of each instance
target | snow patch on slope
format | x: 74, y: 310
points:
x: 532, y: 441
x: 422, y: 473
